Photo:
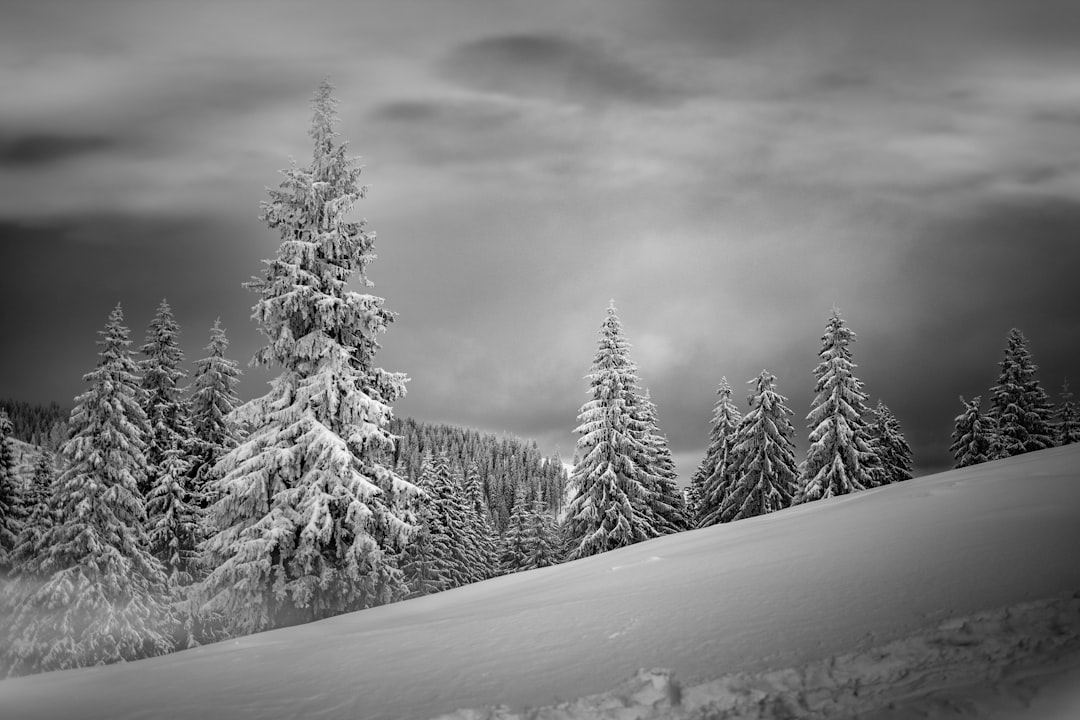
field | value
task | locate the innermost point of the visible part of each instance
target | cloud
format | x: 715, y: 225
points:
x: 557, y: 68
x: 29, y: 150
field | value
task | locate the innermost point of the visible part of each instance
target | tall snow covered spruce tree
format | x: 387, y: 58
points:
x: 716, y: 471
x: 973, y: 436
x: 609, y: 482
x: 1018, y: 405
x: 764, y: 475
x: 95, y: 594
x: 840, y: 459
x: 664, y: 501
x: 307, y: 524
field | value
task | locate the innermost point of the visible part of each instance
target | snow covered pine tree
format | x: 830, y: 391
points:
x: 972, y: 440
x: 609, y: 482
x: 840, y: 459
x: 716, y: 470
x: 306, y: 526
x: 1019, y: 407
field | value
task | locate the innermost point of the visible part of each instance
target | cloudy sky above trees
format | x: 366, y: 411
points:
x: 726, y: 170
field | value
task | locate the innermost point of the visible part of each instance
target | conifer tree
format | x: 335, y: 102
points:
x: 664, y: 504
x: 98, y: 599
x: 764, y: 473
x: 608, y: 483
x: 543, y: 547
x: 716, y: 470
x: 1019, y: 406
x: 890, y: 446
x: 1067, y: 420
x: 425, y: 560
x: 38, y: 505
x: 840, y: 459
x: 213, y: 398
x: 305, y: 526
x: 11, y: 501
x: 972, y: 440
x: 477, y: 519
x: 163, y: 401
x: 454, y: 538
x: 174, y: 530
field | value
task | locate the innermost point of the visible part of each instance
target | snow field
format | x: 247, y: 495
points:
x: 782, y: 599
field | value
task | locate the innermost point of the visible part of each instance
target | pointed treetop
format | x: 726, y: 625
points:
x: 325, y: 117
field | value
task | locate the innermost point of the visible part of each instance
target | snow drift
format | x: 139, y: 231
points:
x: 772, y: 605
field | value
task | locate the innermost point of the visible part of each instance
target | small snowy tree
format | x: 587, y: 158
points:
x: 38, y: 506
x: 716, y: 469
x: 99, y: 596
x: 213, y: 399
x: 840, y: 459
x: 890, y: 446
x: 455, y: 538
x: 972, y: 440
x: 425, y: 561
x: 163, y: 400
x: 1019, y: 406
x: 174, y: 531
x: 477, y: 519
x: 664, y: 504
x: 608, y: 482
x: 306, y: 526
x: 1067, y: 420
x: 11, y: 501
x: 764, y: 473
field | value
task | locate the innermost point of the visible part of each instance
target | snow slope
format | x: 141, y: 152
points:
x: 811, y: 588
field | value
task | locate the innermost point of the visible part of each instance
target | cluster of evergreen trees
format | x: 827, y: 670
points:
x: 623, y: 487
x: 41, y: 425
x: 1021, y: 418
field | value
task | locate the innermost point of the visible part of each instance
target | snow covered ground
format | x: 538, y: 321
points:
x: 945, y: 596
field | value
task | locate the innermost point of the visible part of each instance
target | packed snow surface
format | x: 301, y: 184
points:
x: 858, y: 583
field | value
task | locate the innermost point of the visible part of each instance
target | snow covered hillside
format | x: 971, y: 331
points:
x: 851, y: 590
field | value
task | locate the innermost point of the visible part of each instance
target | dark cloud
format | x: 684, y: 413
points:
x: 556, y: 68
x: 34, y: 150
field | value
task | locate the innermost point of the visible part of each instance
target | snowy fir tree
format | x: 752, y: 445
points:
x: 663, y: 500
x: 764, y: 475
x: 890, y: 446
x: 609, y: 481
x: 455, y: 539
x: 94, y: 593
x: 174, y: 520
x: 1020, y: 408
x: 11, y: 501
x: 425, y: 561
x: 163, y: 401
x: 1066, y: 418
x: 305, y: 526
x: 840, y: 458
x: 716, y: 470
x: 213, y: 398
x: 531, y: 540
x: 38, y: 508
x: 477, y: 518
x: 973, y: 438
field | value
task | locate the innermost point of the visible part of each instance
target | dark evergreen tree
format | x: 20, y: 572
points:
x: 11, y: 501
x: 972, y: 440
x: 213, y: 398
x: 840, y: 459
x: 163, y: 401
x: 306, y: 527
x: 890, y: 446
x: 1018, y: 405
x: 94, y: 594
x: 764, y: 473
x: 477, y: 520
x: 608, y: 484
x: 664, y: 504
x: 455, y: 539
x: 174, y: 531
x: 1067, y: 420
x: 38, y: 506
x: 425, y: 561
x: 716, y: 470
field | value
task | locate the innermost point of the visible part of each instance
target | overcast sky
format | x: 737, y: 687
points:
x: 727, y: 171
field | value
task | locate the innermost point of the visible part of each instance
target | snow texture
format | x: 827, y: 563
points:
x: 770, y: 605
